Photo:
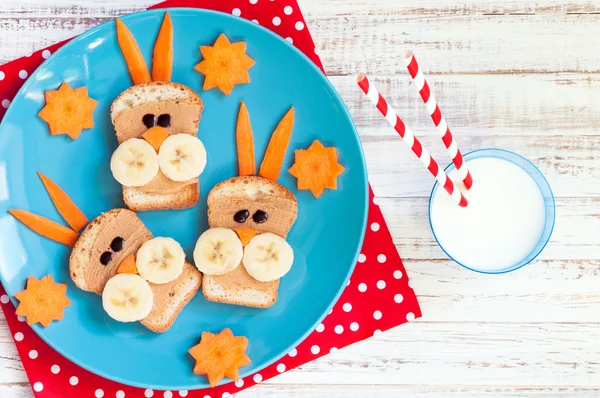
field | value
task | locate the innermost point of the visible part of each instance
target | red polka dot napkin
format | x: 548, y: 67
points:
x: 378, y: 296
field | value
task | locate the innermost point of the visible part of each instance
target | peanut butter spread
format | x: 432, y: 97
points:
x: 126, y: 225
x: 184, y: 118
x: 164, y: 294
x: 239, y: 278
x: 161, y: 184
x: 281, y: 213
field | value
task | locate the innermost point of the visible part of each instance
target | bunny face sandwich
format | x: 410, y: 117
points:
x: 244, y: 253
x: 159, y: 157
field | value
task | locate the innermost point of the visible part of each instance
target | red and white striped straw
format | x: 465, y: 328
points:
x: 410, y: 139
x: 438, y: 119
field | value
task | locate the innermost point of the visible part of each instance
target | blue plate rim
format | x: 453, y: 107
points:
x: 336, y: 97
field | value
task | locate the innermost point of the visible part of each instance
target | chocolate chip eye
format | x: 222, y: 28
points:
x: 149, y: 120
x: 241, y: 216
x: 117, y: 244
x: 260, y: 217
x: 164, y: 120
x: 106, y: 257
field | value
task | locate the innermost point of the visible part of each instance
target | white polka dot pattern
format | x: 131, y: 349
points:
x: 23, y: 74
x: 37, y: 386
x: 55, y: 369
x: 120, y: 394
x: 237, y: 12
x: 148, y: 393
x: 168, y: 394
x: 354, y: 326
x: 239, y: 383
x: 315, y: 349
x: 184, y: 393
x: 73, y: 380
x: 257, y: 378
x: 288, y: 10
x: 276, y: 21
x: 33, y: 354
x: 4, y: 298
x: 19, y: 336
x: 280, y: 367
x: 347, y: 307
x: 99, y: 393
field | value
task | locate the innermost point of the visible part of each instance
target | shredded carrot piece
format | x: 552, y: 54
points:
x: 225, y: 64
x: 43, y: 301
x: 68, y: 111
x: 245, y: 143
x: 273, y: 160
x: 245, y: 234
x: 317, y: 168
x: 155, y: 136
x: 133, y: 56
x: 128, y: 266
x: 65, y: 206
x: 220, y: 355
x: 162, y: 60
x: 47, y: 228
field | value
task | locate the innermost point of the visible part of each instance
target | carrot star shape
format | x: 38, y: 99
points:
x: 42, y: 301
x: 225, y: 64
x: 68, y: 111
x: 316, y: 168
x: 220, y: 355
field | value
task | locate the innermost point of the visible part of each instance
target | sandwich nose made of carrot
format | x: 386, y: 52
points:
x: 159, y: 158
x: 244, y: 253
x: 140, y: 278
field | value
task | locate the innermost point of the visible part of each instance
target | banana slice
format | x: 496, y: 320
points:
x: 218, y: 251
x: 127, y: 298
x: 160, y: 260
x: 182, y: 157
x: 268, y: 257
x: 134, y: 163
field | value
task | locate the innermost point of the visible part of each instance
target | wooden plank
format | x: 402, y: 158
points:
x: 15, y: 390
x: 483, y: 105
x: 11, y: 368
x: 371, y: 35
x: 570, y: 163
x: 387, y: 391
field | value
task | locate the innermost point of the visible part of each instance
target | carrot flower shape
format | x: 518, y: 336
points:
x: 316, y: 168
x: 220, y: 355
x: 42, y: 301
x: 68, y: 111
x: 225, y: 64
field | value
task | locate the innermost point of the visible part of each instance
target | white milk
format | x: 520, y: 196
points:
x: 502, y: 223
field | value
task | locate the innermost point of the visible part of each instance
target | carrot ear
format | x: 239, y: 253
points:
x: 162, y: 59
x: 245, y: 143
x: 133, y: 56
x: 273, y: 160
x: 47, y: 228
x: 65, y: 206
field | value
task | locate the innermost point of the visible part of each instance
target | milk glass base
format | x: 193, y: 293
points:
x: 542, y: 184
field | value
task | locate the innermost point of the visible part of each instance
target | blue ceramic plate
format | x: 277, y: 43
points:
x: 326, y: 237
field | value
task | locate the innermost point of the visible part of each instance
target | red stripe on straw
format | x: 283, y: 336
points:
x: 394, y: 120
x: 436, y: 115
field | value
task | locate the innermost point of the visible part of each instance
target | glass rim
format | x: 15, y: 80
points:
x: 520, y: 264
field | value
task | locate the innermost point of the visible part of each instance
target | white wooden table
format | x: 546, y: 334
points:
x: 520, y: 75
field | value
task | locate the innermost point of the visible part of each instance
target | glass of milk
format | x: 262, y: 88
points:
x: 509, y: 218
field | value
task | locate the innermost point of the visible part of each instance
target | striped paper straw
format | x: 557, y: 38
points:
x: 438, y: 119
x: 410, y: 139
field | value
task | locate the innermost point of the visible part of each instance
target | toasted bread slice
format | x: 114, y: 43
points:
x: 248, y: 193
x: 90, y: 274
x: 170, y: 298
x: 157, y: 98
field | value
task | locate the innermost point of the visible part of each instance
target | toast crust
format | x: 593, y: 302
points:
x: 90, y: 275
x: 138, y: 200
x: 157, y: 98
x: 248, y: 193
